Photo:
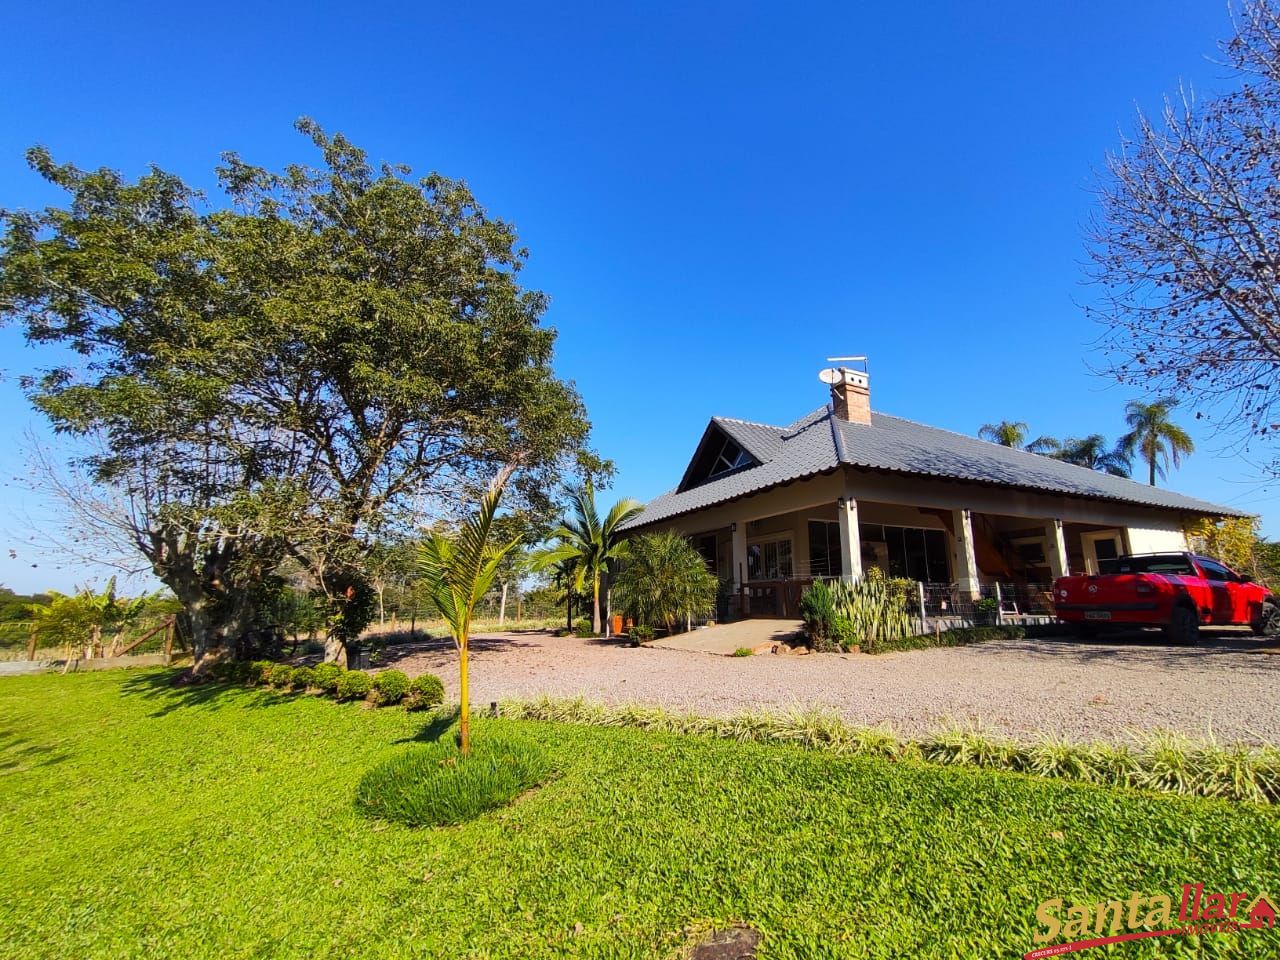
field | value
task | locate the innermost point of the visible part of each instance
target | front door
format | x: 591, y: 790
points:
x: 1100, y: 547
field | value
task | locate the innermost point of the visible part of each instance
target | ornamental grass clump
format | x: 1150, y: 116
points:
x: 436, y: 785
x: 1162, y: 761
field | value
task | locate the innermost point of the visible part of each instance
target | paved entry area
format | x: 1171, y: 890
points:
x: 724, y: 638
x: 1227, y: 686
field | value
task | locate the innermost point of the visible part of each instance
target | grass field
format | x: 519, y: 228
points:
x: 139, y: 821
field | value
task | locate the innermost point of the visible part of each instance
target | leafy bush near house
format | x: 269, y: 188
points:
x: 325, y: 676
x: 582, y: 628
x: 435, y: 785
x: 304, y: 678
x: 868, y: 613
x: 425, y: 691
x: 390, y: 687
x: 281, y: 676
x: 956, y: 637
x: 353, y: 685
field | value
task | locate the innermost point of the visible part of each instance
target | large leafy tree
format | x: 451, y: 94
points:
x: 589, y: 543
x: 1154, y: 437
x: 321, y: 360
x: 1186, y: 241
x: 457, y: 571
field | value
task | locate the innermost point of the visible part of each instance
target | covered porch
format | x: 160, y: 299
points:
x: 960, y: 544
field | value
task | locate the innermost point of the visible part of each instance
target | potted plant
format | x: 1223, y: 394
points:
x: 985, y: 611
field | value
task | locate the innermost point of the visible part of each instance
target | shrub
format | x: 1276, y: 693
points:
x: 876, y: 608
x: 231, y: 671
x: 325, y: 676
x: 582, y: 628
x: 304, y: 678
x: 389, y: 687
x: 259, y: 671
x: 664, y: 580
x: 281, y: 675
x: 743, y: 652
x: 435, y: 785
x: 642, y: 633
x: 353, y: 685
x: 424, y: 692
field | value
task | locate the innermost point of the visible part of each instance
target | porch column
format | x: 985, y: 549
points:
x: 1056, y: 553
x: 966, y: 563
x: 739, y: 552
x: 850, y: 540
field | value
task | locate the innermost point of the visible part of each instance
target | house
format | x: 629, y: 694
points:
x: 846, y: 487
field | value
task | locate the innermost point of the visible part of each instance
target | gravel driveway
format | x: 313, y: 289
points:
x: 1228, y: 685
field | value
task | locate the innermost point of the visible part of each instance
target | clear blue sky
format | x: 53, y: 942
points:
x: 716, y: 196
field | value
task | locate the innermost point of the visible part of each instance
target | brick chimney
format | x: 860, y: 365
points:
x: 851, y: 395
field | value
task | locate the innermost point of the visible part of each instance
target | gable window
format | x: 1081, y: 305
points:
x: 718, y: 455
x: 730, y: 457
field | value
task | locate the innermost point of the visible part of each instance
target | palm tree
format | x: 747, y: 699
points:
x: 457, y: 572
x: 588, y: 541
x: 1092, y: 452
x: 1046, y: 446
x: 665, y: 580
x: 1007, y: 433
x: 1154, y: 437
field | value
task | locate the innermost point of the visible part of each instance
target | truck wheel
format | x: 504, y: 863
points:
x: 1268, y: 622
x: 1183, y: 628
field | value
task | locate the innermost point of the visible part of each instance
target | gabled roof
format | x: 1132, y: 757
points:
x: 820, y: 443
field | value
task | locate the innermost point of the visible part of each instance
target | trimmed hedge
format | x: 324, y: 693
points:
x: 354, y: 685
x: 326, y: 675
x: 281, y: 676
x: 425, y: 691
x: 390, y: 687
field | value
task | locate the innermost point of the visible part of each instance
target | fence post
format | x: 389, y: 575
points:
x: 924, y: 617
x: 999, y: 604
x: 168, y: 642
x: 31, y: 645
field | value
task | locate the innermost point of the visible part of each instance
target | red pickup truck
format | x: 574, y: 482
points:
x: 1177, y: 591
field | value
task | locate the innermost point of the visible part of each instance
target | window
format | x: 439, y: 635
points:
x: 914, y: 552
x: 706, y: 547
x: 825, y: 558
x: 717, y: 456
x: 1172, y: 563
x: 769, y: 560
x: 1215, y: 571
x: 730, y: 457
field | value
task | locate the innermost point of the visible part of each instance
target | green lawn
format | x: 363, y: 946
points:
x: 140, y: 821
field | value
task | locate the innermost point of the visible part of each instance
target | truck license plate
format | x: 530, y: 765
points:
x: 1097, y: 614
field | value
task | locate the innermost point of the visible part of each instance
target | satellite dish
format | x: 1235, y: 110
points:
x: 829, y: 376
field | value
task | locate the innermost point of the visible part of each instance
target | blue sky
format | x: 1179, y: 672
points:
x: 716, y: 196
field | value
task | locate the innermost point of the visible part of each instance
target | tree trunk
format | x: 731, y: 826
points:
x: 199, y: 617
x: 382, y: 618
x: 335, y: 651
x: 595, y: 606
x: 608, y: 609
x: 464, y: 700
x: 1152, y: 463
x: 568, y: 609
x: 502, y: 607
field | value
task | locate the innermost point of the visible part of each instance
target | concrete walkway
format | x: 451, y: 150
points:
x: 724, y: 638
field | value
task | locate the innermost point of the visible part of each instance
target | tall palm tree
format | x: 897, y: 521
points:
x: 589, y: 541
x: 1154, y: 437
x: 1007, y: 433
x: 1092, y: 452
x: 458, y: 571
